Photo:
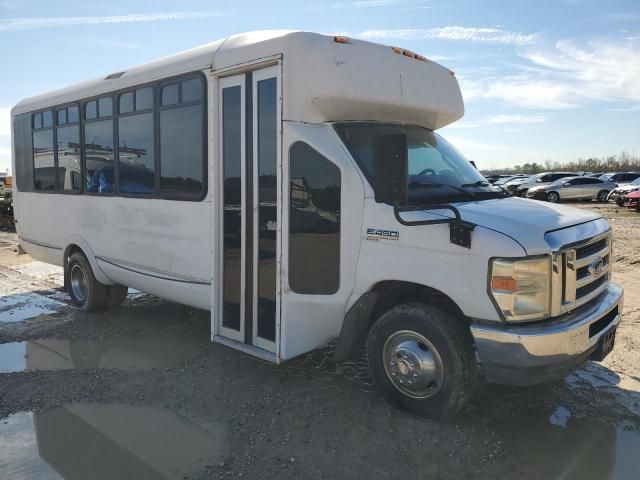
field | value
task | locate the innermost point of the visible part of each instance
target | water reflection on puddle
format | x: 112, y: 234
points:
x: 553, y: 445
x: 156, y: 351
x: 108, y: 441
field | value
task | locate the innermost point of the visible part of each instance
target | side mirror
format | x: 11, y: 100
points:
x: 390, y: 169
x: 566, y: 184
x: 539, y: 180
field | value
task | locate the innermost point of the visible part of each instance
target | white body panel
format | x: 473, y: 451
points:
x: 173, y: 249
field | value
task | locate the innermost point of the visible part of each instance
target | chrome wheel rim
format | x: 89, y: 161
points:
x: 78, y: 281
x: 602, y: 196
x: 553, y: 197
x: 413, y: 364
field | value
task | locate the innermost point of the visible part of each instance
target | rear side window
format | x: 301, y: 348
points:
x: 44, y: 166
x: 182, y: 154
x: 314, y: 222
x: 99, y: 148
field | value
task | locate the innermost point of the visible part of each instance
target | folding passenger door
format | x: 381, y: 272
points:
x: 250, y: 142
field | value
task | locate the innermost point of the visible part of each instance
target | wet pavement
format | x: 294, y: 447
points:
x: 108, y: 441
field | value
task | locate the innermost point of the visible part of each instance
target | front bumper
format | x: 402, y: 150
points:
x: 547, y: 351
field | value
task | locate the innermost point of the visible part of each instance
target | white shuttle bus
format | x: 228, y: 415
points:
x: 293, y: 184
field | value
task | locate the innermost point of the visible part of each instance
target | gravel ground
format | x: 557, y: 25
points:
x: 140, y: 392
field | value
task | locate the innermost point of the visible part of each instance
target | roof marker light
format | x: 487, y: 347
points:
x: 396, y: 49
x: 408, y: 53
x: 340, y: 39
x: 422, y: 58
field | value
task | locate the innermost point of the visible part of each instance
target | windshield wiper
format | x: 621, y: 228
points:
x: 417, y: 184
x: 479, y: 183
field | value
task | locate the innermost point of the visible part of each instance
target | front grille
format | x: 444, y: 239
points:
x: 590, y: 287
x: 590, y: 249
x: 585, y: 271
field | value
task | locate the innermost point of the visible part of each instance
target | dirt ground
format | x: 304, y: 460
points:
x: 140, y: 392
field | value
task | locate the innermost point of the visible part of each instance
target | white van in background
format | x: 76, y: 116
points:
x: 294, y: 185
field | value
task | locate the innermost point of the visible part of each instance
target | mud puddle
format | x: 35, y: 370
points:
x: 555, y: 445
x: 109, y: 441
x: 123, y: 353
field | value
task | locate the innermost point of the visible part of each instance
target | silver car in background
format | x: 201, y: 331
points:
x: 539, y: 179
x: 573, y: 188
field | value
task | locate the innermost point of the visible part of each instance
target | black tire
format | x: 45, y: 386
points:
x: 116, y: 294
x: 620, y: 201
x: 553, y: 197
x: 602, y: 196
x: 95, y: 293
x: 454, y: 348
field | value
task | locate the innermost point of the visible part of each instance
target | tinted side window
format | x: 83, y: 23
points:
x: 314, y: 222
x: 44, y: 166
x: 99, y: 155
x: 182, y: 159
x: 22, y: 145
x: 136, y: 159
x: 68, y: 150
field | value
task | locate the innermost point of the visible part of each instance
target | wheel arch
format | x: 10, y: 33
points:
x: 79, y: 245
x: 383, y: 296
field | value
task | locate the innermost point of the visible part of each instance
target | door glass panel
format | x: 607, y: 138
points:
x: 43, y: 160
x: 267, y: 207
x: 314, y: 222
x: 232, y: 243
x: 69, y: 172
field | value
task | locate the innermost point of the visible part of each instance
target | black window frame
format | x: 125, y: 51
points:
x: 156, y: 88
x: 114, y: 135
x: 156, y: 129
x: 53, y: 126
x: 56, y: 125
x: 159, y: 108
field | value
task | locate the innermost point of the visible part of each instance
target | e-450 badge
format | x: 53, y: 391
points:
x: 382, y: 234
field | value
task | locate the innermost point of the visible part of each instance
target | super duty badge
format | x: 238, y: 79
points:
x: 382, y: 234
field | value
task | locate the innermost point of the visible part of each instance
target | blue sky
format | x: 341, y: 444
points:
x: 542, y: 80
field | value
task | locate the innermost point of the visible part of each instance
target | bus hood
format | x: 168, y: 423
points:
x: 526, y: 221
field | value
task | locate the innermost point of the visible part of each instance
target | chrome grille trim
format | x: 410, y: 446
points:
x: 566, y: 284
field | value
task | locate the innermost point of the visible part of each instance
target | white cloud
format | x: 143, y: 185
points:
x: 27, y: 23
x: 501, y: 119
x: 455, y: 33
x: 5, y: 121
x: 565, y: 76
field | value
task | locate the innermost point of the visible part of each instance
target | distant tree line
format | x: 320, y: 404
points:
x: 623, y: 162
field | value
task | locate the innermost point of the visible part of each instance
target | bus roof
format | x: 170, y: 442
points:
x: 323, y: 80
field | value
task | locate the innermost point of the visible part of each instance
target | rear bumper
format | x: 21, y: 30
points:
x: 548, y: 351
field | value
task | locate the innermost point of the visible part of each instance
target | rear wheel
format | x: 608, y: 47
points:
x: 602, y: 196
x: 553, y: 197
x: 422, y: 360
x: 86, y: 292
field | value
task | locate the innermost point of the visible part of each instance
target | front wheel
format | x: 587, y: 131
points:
x: 422, y: 360
x: 553, y: 197
x: 602, y: 196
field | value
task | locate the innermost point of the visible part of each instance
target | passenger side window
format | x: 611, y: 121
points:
x: 136, y: 147
x: 182, y: 154
x: 44, y: 166
x: 99, y: 146
x: 314, y: 222
x: 68, y: 149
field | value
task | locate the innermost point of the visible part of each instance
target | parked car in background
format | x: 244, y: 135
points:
x: 620, y: 177
x: 510, y: 185
x: 593, y: 174
x: 572, y: 188
x: 495, y: 178
x: 540, y: 179
x: 621, y: 190
x: 632, y: 200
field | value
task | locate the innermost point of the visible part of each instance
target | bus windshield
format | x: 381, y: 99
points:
x: 436, y: 171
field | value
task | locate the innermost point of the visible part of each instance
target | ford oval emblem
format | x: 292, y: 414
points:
x: 596, y: 266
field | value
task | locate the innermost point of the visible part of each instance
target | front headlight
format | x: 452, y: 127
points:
x: 521, y: 287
